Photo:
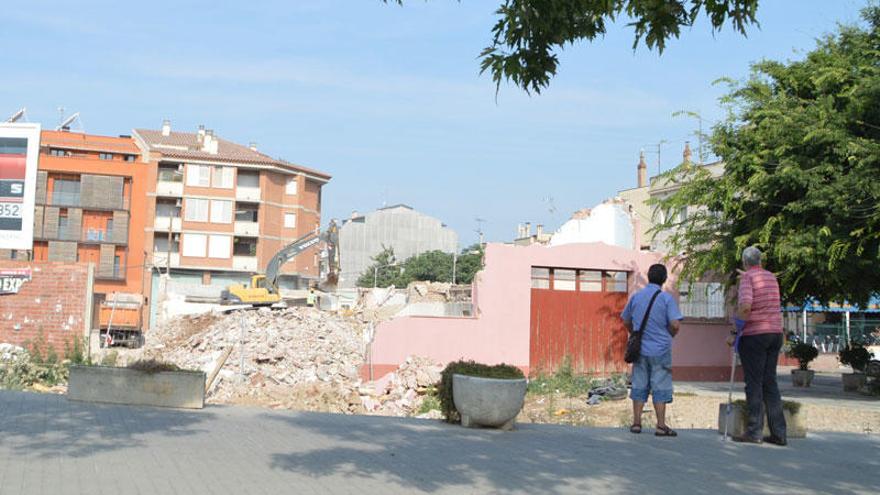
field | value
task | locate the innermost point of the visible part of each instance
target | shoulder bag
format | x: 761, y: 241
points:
x: 634, y: 342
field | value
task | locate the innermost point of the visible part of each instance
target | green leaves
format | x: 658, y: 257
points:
x: 802, y: 158
x: 431, y: 266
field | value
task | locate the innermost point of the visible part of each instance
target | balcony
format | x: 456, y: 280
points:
x: 160, y: 259
x: 244, y: 263
x: 168, y: 188
x: 163, y: 223
x: 251, y: 229
x: 245, y: 193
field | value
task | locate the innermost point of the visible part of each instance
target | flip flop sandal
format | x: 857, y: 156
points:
x: 635, y: 429
x: 665, y: 432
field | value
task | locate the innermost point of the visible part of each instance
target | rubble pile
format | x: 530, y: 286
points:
x: 401, y: 393
x: 297, y: 358
x: 436, y: 292
x: 287, y: 348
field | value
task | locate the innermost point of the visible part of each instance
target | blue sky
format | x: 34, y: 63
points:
x: 389, y: 99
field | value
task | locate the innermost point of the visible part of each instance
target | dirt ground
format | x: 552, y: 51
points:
x: 687, y: 411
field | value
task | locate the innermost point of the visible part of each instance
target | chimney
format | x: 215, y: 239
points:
x: 527, y: 230
x: 209, y: 143
x: 252, y: 146
x: 354, y: 214
x: 643, y: 170
x: 166, y: 127
x: 539, y: 230
x: 687, y: 152
x: 200, y: 134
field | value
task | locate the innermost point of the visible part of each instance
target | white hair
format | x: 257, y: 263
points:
x: 751, y: 256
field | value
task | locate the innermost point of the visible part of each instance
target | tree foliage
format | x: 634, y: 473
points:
x: 431, y: 266
x: 529, y: 33
x: 802, y: 161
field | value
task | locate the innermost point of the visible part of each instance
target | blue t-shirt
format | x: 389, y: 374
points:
x: 656, y: 341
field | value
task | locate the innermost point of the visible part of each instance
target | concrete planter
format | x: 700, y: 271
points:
x: 802, y: 378
x: 853, y: 381
x: 795, y: 423
x: 184, y: 389
x: 488, y: 401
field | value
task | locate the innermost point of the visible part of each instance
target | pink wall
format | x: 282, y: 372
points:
x: 502, y: 294
x: 499, y: 332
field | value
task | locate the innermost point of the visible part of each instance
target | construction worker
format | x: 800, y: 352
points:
x: 310, y: 297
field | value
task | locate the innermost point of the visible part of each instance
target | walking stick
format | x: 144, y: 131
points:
x: 730, y: 392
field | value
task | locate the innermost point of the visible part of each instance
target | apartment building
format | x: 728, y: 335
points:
x: 218, y: 211
x: 88, y: 186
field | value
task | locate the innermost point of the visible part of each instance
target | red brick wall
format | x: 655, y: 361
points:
x: 53, y: 303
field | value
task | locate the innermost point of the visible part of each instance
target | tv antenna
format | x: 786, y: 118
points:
x: 655, y: 148
x: 479, y: 231
x: 551, y: 204
x: 20, y: 114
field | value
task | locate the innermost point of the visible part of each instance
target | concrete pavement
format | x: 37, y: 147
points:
x: 51, y: 446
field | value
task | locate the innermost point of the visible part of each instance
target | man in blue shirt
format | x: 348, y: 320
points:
x: 652, y: 373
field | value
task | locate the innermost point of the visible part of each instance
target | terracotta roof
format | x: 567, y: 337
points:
x: 88, y: 142
x: 185, y: 146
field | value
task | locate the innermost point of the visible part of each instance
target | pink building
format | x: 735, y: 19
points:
x: 535, y: 306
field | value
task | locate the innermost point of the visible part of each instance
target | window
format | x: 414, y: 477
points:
x: 248, y: 179
x: 65, y: 192
x: 160, y: 244
x: 194, y: 245
x: 291, y: 186
x: 564, y: 279
x: 219, y: 246
x: 245, y: 213
x: 62, y: 227
x: 196, y: 210
x: 129, y: 158
x: 221, y: 211
x: 105, y: 156
x: 591, y: 280
x: 540, y: 278
x: 170, y: 174
x: 222, y: 177
x: 117, y: 265
x: 290, y: 220
x: 167, y: 209
x: 615, y: 282
x: 57, y: 152
x: 244, y: 247
x: 702, y: 300
x: 198, y: 175
x: 109, y: 225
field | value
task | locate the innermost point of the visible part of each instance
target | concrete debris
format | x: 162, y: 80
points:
x: 297, y: 358
x: 401, y: 393
x: 11, y: 352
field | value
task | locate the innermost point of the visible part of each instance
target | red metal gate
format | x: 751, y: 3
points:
x: 577, y: 318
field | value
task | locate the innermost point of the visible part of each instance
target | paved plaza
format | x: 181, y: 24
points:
x: 49, y: 445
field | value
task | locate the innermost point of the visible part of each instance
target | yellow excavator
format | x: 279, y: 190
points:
x: 263, y: 289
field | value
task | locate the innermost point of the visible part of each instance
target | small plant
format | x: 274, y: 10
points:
x: 75, y: 353
x: 429, y: 403
x: 469, y: 368
x: 563, y: 380
x: 804, y: 353
x: 110, y: 358
x: 855, y: 356
x: 152, y: 366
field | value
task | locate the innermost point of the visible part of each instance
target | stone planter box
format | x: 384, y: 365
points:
x: 488, y: 401
x: 183, y: 389
x: 802, y: 378
x: 795, y: 424
x: 853, y: 381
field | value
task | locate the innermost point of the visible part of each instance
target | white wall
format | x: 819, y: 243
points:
x: 608, y: 222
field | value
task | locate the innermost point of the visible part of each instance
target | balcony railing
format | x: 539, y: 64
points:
x: 169, y: 188
x: 245, y: 263
x: 245, y: 193
x: 74, y: 200
x: 162, y: 223
x: 247, y: 228
x: 88, y: 235
x: 170, y: 176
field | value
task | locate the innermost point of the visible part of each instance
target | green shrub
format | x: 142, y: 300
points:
x: 110, y: 358
x: 804, y: 353
x: 76, y: 354
x: 855, y: 356
x: 152, y: 366
x: 429, y: 403
x: 469, y: 368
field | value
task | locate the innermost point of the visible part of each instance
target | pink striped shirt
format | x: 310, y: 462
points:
x: 759, y: 288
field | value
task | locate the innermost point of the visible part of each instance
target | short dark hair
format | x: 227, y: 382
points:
x: 657, y: 274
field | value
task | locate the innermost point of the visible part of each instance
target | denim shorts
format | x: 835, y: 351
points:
x: 652, y: 374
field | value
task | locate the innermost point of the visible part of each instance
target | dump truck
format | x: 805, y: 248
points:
x: 263, y: 288
x: 120, y: 320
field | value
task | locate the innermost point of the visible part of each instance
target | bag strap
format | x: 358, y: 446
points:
x: 648, y: 312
